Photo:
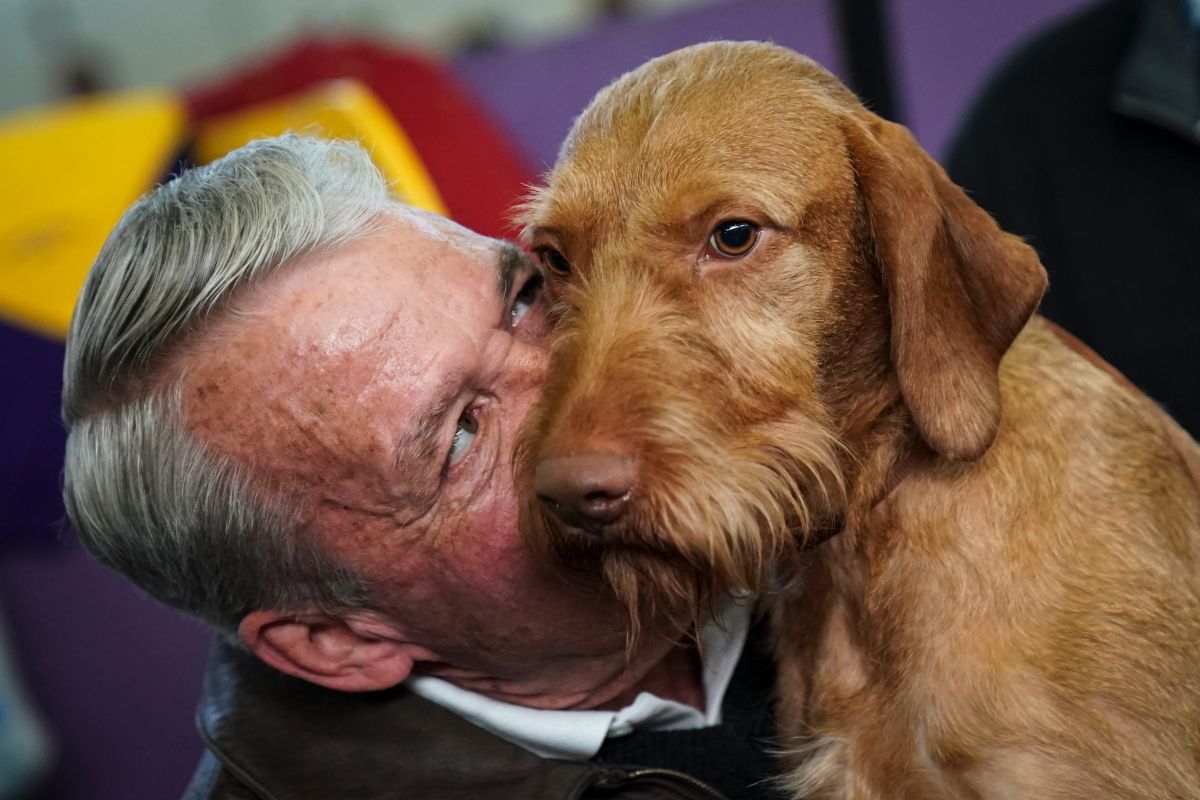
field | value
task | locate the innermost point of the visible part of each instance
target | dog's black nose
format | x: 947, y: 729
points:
x: 588, y: 490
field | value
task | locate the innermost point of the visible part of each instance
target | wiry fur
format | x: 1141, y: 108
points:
x: 759, y: 488
x: 1012, y: 606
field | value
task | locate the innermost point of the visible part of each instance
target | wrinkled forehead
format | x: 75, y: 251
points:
x: 307, y: 359
x: 694, y: 127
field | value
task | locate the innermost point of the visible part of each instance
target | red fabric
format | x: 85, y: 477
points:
x: 478, y: 173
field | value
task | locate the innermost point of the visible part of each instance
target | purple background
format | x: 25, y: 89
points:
x: 116, y: 674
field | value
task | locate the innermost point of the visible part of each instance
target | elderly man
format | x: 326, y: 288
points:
x: 292, y: 404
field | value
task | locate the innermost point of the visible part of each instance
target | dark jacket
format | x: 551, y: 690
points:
x: 1087, y: 142
x: 273, y: 736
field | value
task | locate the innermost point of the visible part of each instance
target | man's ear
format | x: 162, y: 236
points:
x: 352, y: 651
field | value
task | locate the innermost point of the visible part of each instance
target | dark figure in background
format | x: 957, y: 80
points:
x: 1087, y: 142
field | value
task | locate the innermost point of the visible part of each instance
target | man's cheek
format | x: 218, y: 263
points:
x: 535, y: 328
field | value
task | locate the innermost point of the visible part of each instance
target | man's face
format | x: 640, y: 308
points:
x: 385, y: 382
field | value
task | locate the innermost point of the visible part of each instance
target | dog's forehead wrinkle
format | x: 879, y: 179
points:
x: 604, y: 193
x: 659, y: 214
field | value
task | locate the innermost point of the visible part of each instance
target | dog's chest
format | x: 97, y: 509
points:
x: 867, y: 710
x: 842, y: 738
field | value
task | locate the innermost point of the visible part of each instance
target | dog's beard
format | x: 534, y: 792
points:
x: 659, y: 590
x: 705, y: 522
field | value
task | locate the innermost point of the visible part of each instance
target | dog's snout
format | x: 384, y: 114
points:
x: 586, y: 490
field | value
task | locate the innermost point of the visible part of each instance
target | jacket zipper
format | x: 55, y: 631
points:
x: 682, y: 777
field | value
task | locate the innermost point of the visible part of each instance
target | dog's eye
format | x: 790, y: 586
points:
x: 554, y: 261
x: 733, y: 239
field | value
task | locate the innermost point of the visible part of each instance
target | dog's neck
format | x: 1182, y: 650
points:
x: 861, y: 392
x: 880, y: 457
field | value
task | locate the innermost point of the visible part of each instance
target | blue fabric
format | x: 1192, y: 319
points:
x: 31, y: 437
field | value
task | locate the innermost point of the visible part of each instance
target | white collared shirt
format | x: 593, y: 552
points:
x: 578, y: 735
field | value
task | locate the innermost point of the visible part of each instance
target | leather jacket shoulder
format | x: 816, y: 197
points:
x: 273, y: 737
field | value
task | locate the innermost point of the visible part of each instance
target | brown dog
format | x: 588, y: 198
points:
x: 779, y: 322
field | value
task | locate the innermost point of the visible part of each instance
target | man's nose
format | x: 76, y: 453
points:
x: 586, y: 490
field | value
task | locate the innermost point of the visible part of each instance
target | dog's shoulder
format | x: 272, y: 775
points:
x: 1081, y: 458
x: 1058, y: 392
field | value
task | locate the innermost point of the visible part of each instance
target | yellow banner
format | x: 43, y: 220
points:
x: 68, y: 172
x: 343, y: 109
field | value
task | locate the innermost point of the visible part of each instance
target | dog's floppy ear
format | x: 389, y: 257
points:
x: 959, y: 288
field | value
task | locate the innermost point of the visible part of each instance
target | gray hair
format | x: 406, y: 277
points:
x: 191, y: 527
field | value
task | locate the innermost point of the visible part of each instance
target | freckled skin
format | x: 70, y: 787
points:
x: 320, y: 373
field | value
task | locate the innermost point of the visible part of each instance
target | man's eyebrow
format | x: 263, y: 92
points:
x: 510, y: 261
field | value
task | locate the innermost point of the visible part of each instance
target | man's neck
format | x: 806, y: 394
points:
x: 662, y: 686
x: 592, y: 682
x: 676, y: 677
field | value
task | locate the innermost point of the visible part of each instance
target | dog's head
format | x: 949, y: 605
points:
x: 748, y: 269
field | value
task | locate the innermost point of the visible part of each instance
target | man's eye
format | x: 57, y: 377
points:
x: 464, y: 435
x: 526, y: 298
